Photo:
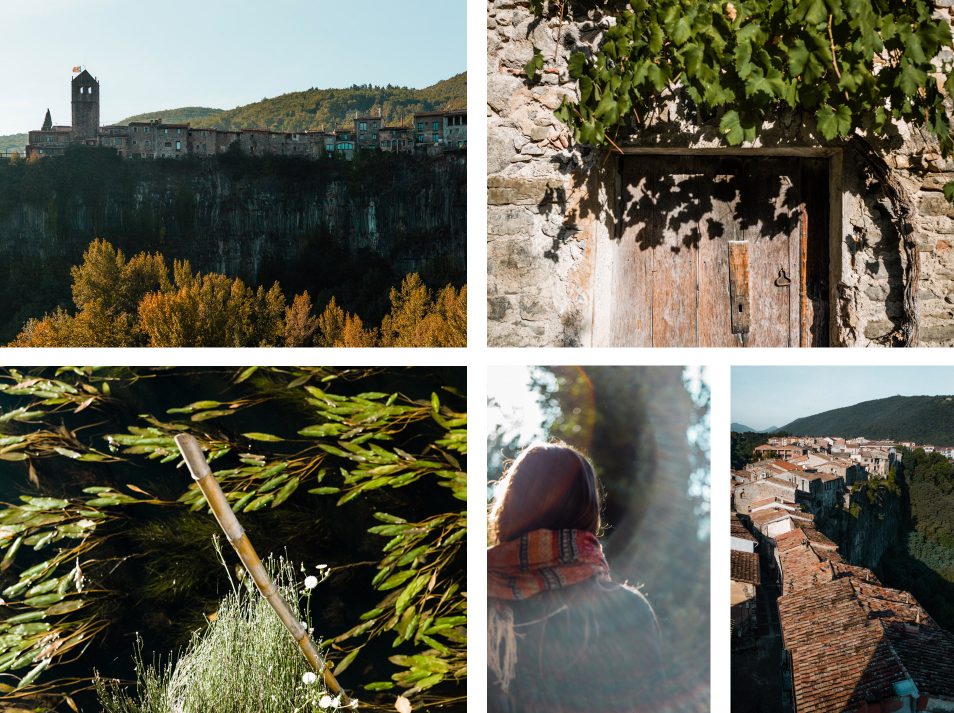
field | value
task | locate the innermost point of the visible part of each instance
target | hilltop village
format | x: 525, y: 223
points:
x: 431, y: 132
x: 844, y: 641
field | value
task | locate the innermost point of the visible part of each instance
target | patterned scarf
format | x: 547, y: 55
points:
x: 536, y: 562
x: 543, y: 560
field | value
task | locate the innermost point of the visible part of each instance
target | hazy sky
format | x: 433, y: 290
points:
x: 765, y: 396
x: 516, y: 405
x: 216, y: 53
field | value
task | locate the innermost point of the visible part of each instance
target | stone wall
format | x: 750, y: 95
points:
x: 549, y: 215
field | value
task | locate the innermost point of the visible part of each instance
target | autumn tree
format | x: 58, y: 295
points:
x: 300, y: 324
x: 330, y: 325
x: 417, y: 319
x: 135, y: 302
x: 210, y: 311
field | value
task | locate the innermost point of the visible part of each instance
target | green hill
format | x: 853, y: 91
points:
x: 185, y: 115
x: 13, y: 142
x: 324, y: 108
x: 925, y: 419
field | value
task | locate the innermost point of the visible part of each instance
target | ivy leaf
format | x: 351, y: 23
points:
x: 533, y: 66
x: 813, y: 12
x: 832, y: 123
x: 656, y: 39
x: 575, y: 65
x: 681, y: 32
x: 911, y: 78
x: 731, y: 127
x: 692, y: 59
x: 949, y: 191
x: 797, y: 58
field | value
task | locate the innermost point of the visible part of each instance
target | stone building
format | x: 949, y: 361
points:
x: 366, y: 130
x: 580, y: 253
x: 85, y: 102
x: 396, y: 139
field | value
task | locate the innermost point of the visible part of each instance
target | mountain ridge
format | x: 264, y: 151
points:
x: 924, y: 419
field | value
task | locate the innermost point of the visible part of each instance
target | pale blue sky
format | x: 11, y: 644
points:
x: 216, y: 53
x: 765, y: 396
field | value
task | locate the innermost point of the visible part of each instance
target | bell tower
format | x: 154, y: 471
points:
x: 85, y: 106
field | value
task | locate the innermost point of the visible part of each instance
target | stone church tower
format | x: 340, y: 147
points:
x: 85, y: 107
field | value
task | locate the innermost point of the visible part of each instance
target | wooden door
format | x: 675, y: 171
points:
x: 709, y: 253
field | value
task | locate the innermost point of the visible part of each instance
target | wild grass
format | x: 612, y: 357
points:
x: 243, y: 662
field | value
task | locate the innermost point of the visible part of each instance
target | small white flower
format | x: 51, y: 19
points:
x: 311, y: 582
x: 321, y: 566
x: 325, y: 702
x: 309, y: 678
x: 354, y: 703
x: 336, y: 701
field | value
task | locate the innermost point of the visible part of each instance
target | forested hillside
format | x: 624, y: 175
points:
x: 743, y: 445
x: 924, y: 419
x: 923, y: 561
x: 324, y: 108
x: 13, y: 142
x: 185, y: 115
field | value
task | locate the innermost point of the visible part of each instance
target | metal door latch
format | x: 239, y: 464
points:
x: 782, y: 280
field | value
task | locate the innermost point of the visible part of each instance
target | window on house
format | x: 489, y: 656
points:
x: 436, y: 126
x: 363, y: 126
x: 178, y: 146
x: 420, y: 126
x: 435, y: 138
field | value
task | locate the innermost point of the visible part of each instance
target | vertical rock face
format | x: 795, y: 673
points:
x: 310, y: 225
x: 551, y: 206
x: 864, y: 533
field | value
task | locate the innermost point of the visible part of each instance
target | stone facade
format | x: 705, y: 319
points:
x: 85, y: 103
x: 551, y: 205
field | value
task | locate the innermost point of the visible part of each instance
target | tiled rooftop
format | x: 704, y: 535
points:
x: 739, y: 530
x: 851, y: 639
x: 745, y: 567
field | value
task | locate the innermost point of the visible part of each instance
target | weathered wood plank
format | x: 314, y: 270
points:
x: 630, y: 324
x: 718, y: 225
x: 769, y: 223
x: 804, y: 305
x: 676, y: 236
x: 739, y: 286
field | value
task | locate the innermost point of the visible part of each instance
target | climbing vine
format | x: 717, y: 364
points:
x: 850, y: 64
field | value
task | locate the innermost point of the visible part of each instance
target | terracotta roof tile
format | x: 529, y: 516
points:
x: 851, y: 639
x: 739, y: 530
x: 745, y: 567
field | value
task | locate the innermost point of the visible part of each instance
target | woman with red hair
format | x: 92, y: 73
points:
x: 562, y: 635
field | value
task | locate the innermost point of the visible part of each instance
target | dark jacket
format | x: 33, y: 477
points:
x: 589, y: 647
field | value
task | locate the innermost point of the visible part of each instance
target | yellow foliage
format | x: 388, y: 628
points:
x: 123, y: 303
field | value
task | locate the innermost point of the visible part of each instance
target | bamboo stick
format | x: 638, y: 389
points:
x: 202, y: 474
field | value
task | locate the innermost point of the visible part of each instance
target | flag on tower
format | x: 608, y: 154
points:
x: 77, y: 70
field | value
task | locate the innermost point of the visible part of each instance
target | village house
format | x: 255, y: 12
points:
x: 745, y: 578
x: 744, y: 494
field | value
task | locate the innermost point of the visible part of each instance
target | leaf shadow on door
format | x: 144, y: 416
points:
x: 696, y: 197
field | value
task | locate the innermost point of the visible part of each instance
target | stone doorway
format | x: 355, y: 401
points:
x: 718, y: 251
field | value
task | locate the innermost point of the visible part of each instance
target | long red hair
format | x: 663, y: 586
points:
x: 549, y: 486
